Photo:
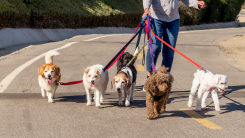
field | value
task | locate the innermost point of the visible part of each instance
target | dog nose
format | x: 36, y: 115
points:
x: 118, y: 89
x: 92, y: 81
x: 49, y: 76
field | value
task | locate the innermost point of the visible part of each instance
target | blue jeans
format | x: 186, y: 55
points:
x: 169, y: 32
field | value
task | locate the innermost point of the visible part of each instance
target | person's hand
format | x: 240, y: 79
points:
x: 201, y: 4
x: 146, y: 12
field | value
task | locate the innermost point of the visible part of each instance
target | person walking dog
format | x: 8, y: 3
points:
x: 166, y: 25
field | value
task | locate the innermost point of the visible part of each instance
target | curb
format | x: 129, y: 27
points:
x: 11, y: 37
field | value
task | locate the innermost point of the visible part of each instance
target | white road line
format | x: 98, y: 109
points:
x: 7, y: 80
x: 105, y: 36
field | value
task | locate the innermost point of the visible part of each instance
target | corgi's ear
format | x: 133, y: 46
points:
x: 87, y: 70
x: 57, y: 70
x: 128, y: 84
x: 112, y: 82
x: 41, y: 69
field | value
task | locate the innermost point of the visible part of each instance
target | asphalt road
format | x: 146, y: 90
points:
x: 24, y: 113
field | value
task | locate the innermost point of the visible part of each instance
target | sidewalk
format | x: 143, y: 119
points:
x: 241, y: 18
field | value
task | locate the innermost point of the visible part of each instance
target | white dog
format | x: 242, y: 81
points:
x: 49, y: 75
x: 95, y: 79
x: 205, y: 81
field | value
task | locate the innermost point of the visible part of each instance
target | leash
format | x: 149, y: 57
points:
x: 70, y: 83
x: 119, y: 54
x: 137, y: 54
x: 170, y: 45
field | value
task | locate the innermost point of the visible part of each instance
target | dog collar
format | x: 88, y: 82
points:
x: 156, y: 98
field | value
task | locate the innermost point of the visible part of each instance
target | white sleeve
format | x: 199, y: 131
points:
x: 147, y: 4
x: 191, y: 3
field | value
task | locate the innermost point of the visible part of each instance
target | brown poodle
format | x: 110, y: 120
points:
x: 158, y: 88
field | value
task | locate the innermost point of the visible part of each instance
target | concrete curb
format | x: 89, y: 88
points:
x: 11, y: 37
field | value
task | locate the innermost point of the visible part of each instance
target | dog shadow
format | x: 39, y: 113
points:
x: 235, y: 105
x: 134, y: 104
x: 74, y: 98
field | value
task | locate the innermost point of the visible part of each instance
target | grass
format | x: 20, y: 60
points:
x: 69, y: 13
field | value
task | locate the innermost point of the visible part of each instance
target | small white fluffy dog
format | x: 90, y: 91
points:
x: 205, y: 81
x: 49, y: 74
x: 95, y: 79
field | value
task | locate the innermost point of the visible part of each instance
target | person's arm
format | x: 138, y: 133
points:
x: 146, y: 5
x: 194, y: 3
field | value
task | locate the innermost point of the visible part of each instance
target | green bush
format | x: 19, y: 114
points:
x: 215, y: 11
x: 95, y: 13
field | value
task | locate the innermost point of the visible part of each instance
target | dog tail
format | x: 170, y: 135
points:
x: 49, y: 56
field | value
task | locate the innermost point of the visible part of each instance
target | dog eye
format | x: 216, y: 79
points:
x: 45, y: 71
x: 95, y: 76
x: 116, y: 81
x: 52, y: 71
x: 123, y: 82
x: 88, y: 75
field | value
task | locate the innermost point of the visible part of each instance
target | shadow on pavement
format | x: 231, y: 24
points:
x: 74, y: 98
x: 235, y: 105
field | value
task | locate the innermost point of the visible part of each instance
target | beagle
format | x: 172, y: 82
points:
x: 125, y: 80
x: 49, y: 75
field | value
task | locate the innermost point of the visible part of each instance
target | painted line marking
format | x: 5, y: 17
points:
x: 200, y: 119
x: 104, y: 36
x: 140, y: 56
x: 140, y: 68
x: 8, y: 79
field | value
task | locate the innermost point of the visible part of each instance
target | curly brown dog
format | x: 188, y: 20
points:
x: 158, y: 88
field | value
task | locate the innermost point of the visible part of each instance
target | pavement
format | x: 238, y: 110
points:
x: 24, y: 113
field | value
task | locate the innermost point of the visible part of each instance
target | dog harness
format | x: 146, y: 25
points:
x: 156, y: 98
x: 126, y: 71
x: 210, y: 88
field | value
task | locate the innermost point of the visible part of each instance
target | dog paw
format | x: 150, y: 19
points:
x: 88, y: 104
x: 218, y: 110
x: 98, y: 105
x: 162, y: 110
x: 204, y: 108
x: 120, y: 103
x: 189, y: 105
x: 150, y: 117
x: 199, y: 110
x: 127, y: 103
x: 50, y: 101
x: 156, y: 115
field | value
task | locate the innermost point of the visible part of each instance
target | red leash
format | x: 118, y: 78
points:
x: 176, y: 51
x: 71, y: 83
